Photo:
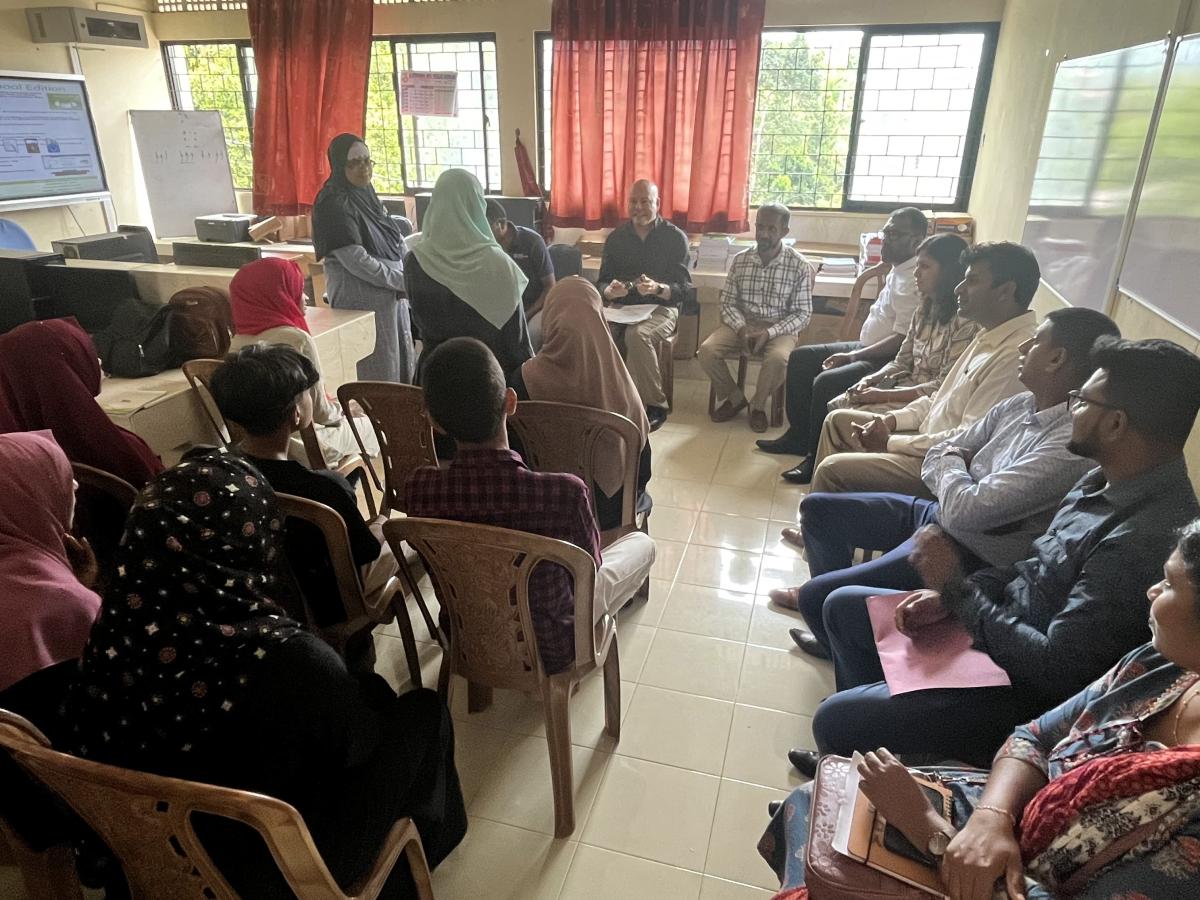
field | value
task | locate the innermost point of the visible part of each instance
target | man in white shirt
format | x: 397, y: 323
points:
x: 765, y: 304
x: 861, y: 451
x: 817, y: 373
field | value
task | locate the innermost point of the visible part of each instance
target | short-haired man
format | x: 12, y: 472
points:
x: 529, y: 252
x: 997, y: 484
x: 645, y: 260
x: 817, y: 373
x: 1060, y: 618
x: 863, y: 451
x: 264, y: 389
x: 488, y: 483
x: 765, y: 304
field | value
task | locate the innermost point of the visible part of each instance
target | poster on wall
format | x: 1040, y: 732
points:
x: 428, y: 93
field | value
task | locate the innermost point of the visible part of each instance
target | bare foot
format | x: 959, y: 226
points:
x: 897, y: 796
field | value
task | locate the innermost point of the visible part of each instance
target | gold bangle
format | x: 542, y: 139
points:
x: 1004, y: 812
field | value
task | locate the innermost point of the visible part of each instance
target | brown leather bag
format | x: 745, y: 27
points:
x: 201, y: 324
x: 828, y: 874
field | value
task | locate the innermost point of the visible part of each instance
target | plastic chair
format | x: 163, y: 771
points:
x: 852, y: 322
x: 481, y: 575
x: 102, y: 504
x: 777, y: 396
x: 567, y: 261
x: 14, y: 237
x: 359, y: 611
x: 146, y: 821
x: 200, y: 371
x: 666, y: 365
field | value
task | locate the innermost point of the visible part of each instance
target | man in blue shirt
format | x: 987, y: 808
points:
x: 529, y: 252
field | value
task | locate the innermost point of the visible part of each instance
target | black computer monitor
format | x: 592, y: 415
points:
x: 20, y: 296
x: 90, y: 295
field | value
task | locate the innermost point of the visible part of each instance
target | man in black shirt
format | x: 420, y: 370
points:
x: 646, y: 261
x: 529, y: 252
x: 264, y: 389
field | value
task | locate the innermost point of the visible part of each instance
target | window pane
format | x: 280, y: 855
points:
x: 916, y: 109
x: 383, y: 120
x: 546, y: 51
x: 805, y: 102
x: 208, y: 76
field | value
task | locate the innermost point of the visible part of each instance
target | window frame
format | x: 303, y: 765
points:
x: 249, y: 103
x: 479, y: 37
x: 972, y: 138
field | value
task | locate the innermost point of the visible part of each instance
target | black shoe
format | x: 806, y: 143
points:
x: 808, y: 642
x: 805, y: 761
x: 801, y: 474
x: 657, y: 416
x: 773, y: 807
x: 785, y: 443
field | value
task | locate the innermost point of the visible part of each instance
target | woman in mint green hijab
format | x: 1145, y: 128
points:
x: 460, y: 282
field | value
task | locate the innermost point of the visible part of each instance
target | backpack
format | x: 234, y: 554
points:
x: 137, y: 341
x: 201, y: 324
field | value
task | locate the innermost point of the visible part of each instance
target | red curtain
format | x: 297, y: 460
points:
x: 658, y: 89
x: 312, y: 58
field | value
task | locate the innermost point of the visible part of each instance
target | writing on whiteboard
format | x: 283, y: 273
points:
x: 428, y: 93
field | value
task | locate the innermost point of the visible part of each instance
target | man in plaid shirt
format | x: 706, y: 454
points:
x: 489, y: 484
x: 765, y: 304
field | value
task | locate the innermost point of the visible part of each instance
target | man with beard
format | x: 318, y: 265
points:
x: 765, y: 304
x: 817, y: 373
x: 1057, y: 620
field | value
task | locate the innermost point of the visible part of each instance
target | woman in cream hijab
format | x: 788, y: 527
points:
x: 580, y: 364
x: 460, y: 282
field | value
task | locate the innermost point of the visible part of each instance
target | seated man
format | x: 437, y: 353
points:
x: 765, y: 304
x: 488, y: 483
x: 646, y: 261
x: 264, y: 390
x: 529, y: 252
x: 1057, y: 620
x: 863, y: 451
x: 997, y: 484
x: 816, y: 373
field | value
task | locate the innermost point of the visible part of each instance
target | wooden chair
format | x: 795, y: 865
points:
x: 397, y: 413
x: 481, y: 576
x: 359, y: 611
x: 777, y: 397
x: 146, y: 822
x: 199, y: 373
x: 102, y: 504
x: 852, y: 322
x: 666, y: 365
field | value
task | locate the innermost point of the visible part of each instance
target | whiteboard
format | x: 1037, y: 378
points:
x: 48, y: 144
x: 1162, y: 265
x: 1092, y: 144
x: 185, y: 167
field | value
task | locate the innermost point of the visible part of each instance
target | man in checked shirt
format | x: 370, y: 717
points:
x: 765, y: 304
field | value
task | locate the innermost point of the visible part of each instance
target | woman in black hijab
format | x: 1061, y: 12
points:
x: 363, y: 252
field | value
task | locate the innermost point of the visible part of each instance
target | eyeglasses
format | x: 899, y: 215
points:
x: 362, y: 162
x: 1075, y: 399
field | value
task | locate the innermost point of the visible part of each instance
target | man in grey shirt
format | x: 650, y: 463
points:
x: 1053, y: 622
x: 997, y: 484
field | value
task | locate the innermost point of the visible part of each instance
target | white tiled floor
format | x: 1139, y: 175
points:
x: 711, y: 697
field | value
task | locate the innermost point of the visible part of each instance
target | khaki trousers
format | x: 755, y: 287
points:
x: 842, y: 467
x: 639, y: 345
x: 724, y: 342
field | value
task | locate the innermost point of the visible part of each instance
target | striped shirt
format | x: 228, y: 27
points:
x: 779, y: 293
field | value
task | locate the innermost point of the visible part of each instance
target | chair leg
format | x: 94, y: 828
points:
x: 712, y: 399
x: 743, y: 368
x: 777, y: 405
x: 479, y: 697
x: 400, y: 607
x: 556, y: 693
x: 410, y: 584
x: 612, y: 691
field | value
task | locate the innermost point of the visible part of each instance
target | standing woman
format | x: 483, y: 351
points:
x: 460, y: 281
x: 363, y: 252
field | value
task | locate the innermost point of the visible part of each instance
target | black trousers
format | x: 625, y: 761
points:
x: 809, y: 389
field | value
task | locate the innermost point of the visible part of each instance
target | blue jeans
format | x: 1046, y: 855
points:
x: 835, y: 524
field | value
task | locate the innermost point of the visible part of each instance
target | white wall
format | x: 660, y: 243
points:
x: 118, y: 80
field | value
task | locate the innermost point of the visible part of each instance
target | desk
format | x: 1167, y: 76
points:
x: 164, y: 411
x: 823, y: 328
x: 304, y: 254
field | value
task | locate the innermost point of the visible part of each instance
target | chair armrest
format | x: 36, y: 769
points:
x: 403, y: 837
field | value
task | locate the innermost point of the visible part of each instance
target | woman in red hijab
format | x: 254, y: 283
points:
x: 267, y: 297
x: 49, y: 379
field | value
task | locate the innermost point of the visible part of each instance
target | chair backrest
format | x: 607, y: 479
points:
x: 14, y: 237
x: 105, y: 484
x: 567, y: 260
x: 397, y: 413
x: 102, y: 504
x: 480, y: 575
x: 564, y: 437
x: 852, y: 323
x: 146, y: 821
x: 337, y: 542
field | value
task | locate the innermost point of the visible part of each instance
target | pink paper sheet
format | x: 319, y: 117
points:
x: 940, y: 656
